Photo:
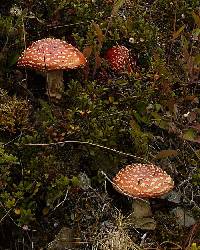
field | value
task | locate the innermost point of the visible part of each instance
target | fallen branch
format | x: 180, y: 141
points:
x: 88, y: 143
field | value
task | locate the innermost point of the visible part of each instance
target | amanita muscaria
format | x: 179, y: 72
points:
x: 119, y: 58
x: 52, y: 56
x: 143, y: 181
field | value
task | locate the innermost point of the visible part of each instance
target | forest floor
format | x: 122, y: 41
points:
x: 58, y: 157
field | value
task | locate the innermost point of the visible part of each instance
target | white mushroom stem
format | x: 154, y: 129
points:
x: 141, y: 208
x: 141, y: 215
x: 55, y: 84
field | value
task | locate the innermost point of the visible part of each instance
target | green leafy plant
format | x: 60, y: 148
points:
x: 194, y: 246
x: 6, y: 158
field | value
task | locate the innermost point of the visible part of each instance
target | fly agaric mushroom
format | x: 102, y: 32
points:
x: 52, y: 56
x: 119, y: 58
x: 143, y: 181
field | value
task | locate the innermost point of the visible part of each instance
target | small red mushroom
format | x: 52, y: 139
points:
x: 119, y: 58
x: 52, y: 56
x: 143, y: 181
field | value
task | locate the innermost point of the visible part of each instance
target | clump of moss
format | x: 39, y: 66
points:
x: 14, y: 113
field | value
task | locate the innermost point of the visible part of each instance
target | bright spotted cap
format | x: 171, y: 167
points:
x: 119, y: 58
x: 143, y: 181
x: 51, y: 54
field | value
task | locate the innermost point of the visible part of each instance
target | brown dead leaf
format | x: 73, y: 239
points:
x: 192, y: 117
x: 87, y: 51
x: 191, y: 98
x: 165, y: 88
x: 196, y: 127
x: 166, y: 153
x: 98, y: 60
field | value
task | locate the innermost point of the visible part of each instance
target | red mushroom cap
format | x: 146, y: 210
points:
x: 143, y: 180
x: 119, y: 58
x: 51, y: 54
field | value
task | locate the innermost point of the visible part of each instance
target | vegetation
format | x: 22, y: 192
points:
x: 57, y: 159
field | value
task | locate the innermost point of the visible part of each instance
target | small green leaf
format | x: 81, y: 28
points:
x: 196, y: 18
x: 98, y: 32
x: 189, y: 134
x: 197, y: 59
x: 177, y: 33
x: 10, y: 203
x: 160, y: 122
x: 117, y: 5
x: 75, y: 181
x: 13, y: 59
x: 196, y: 32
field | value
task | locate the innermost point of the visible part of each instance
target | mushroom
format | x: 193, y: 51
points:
x: 142, y: 181
x: 119, y: 58
x: 52, y: 56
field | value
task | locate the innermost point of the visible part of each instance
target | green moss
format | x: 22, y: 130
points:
x: 14, y: 114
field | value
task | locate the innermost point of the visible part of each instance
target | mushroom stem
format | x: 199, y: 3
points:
x: 141, y: 208
x: 55, y: 84
x: 141, y: 215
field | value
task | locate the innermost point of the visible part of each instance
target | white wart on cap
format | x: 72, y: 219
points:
x: 52, y: 55
x: 142, y: 181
